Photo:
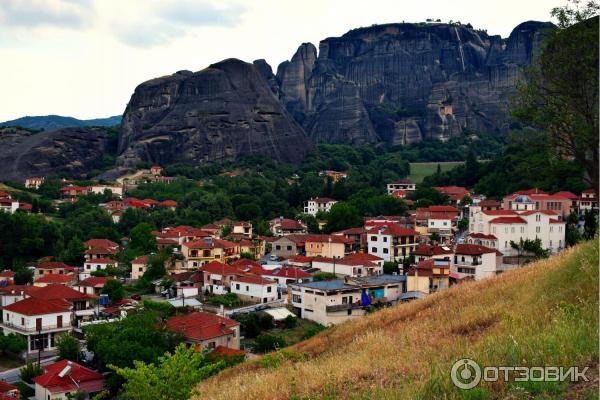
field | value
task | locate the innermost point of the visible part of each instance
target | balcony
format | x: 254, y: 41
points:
x: 343, y: 307
x: 32, y: 329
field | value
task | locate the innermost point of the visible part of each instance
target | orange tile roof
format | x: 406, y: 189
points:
x: 36, y: 306
x: 201, y: 325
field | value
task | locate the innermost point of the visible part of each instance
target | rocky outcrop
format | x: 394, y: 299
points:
x: 223, y: 112
x: 67, y: 152
x: 400, y: 83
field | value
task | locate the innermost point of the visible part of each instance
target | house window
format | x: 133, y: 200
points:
x: 247, y: 288
x: 289, y: 248
x: 373, y: 249
x: 269, y: 289
x: 385, y: 239
x: 237, y: 286
x: 373, y: 238
x: 23, y: 321
x: 537, y: 229
x: 296, y: 298
x: 385, y: 251
x: 277, y: 247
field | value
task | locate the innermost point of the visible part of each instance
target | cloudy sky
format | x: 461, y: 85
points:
x: 83, y: 58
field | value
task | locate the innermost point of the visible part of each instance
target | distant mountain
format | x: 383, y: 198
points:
x: 49, y: 122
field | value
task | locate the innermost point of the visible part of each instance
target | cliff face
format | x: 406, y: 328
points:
x: 220, y: 113
x: 68, y: 152
x: 400, y: 83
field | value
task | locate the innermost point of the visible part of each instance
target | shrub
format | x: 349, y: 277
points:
x: 290, y: 322
x: 312, y: 331
x: 266, y: 342
x: 30, y: 371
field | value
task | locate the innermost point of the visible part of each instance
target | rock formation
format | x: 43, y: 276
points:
x: 220, y: 113
x: 68, y: 152
x: 400, y: 83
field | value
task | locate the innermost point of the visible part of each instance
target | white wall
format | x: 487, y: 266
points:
x: 254, y: 291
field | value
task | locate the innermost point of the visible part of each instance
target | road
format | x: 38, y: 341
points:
x: 13, y: 375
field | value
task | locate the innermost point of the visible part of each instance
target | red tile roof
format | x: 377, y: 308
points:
x: 169, y: 203
x: 94, y: 281
x: 101, y: 250
x: 201, y: 325
x: 499, y: 212
x: 36, y: 306
x: 363, y: 257
x: 288, y: 272
x: 227, y: 351
x: 429, y: 250
x: 397, y: 230
x: 350, y: 231
x: 100, y: 243
x: 215, y: 267
x: 209, y: 244
x: 140, y: 260
x: 17, y: 289
x: 566, y: 195
x: 508, y: 220
x: 323, y: 200
x: 326, y: 238
x: 300, y: 259
x: 255, y: 280
x: 288, y: 224
x: 482, y: 236
x: 79, y: 377
x: 546, y: 212
x: 54, y: 265
x: 473, y: 249
x: 7, y: 387
x: 7, y: 274
x: 489, y: 203
x: 55, y: 278
x: 442, y: 209
x: 52, y: 292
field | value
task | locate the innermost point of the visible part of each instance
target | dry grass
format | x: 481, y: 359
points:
x: 545, y: 314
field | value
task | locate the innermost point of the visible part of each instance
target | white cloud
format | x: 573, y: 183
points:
x: 38, y: 13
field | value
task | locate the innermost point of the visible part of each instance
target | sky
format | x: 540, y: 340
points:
x: 84, y: 58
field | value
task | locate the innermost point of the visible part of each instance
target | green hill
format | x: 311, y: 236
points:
x: 544, y: 314
x: 49, y: 122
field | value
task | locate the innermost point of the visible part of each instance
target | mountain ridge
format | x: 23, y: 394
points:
x: 53, y: 121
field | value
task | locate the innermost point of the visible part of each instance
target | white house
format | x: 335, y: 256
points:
x: 391, y: 242
x: 7, y: 203
x: 254, y: 288
x: 440, y: 224
x: 99, y: 189
x: 40, y: 321
x: 475, y: 261
x: 348, y: 266
x: 402, y: 184
x: 34, y: 182
x: 509, y: 225
x: 96, y: 264
x: 318, y: 204
x: 64, y: 378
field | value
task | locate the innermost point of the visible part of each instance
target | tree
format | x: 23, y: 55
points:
x: 30, y: 371
x: 590, y: 224
x: 323, y: 276
x: 463, y: 224
x: 173, y: 377
x: 141, y: 239
x: 266, y: 342
x: 471, y: 168
x: 156, y: 266
x: 23, y: 276
x: 435, y: 237
x: 572, y: 234
x: 137, y: 337
x: 69, y: 348
x: 342, y: 216
x: 290, y: 322
x: 12, y: 344
x: 74, y: 253
x: 560, y: 93
x: 114, y: 289
x: 247, y: 255
x: 390, y: 267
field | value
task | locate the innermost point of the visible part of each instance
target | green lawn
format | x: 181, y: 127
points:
x: 418, y: 171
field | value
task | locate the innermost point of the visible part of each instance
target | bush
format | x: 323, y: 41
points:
x: 290, y: 322
x: 266, y: 342
x: 12, y: 344
x: 30, y: 371
x: 228, y: 300
x: 68, y: 348
x: 266, y: 322
x: 160, y: 307
x: 323, y: 276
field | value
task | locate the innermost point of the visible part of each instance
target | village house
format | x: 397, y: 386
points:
x: 455, y: 193
x: 327, y: 246
x: 202, y: 251
x: 286, y: 274
x: 92, y: 285
x: 54, y: 279
x: 588, y: 201
x: 437, y: 219
x: 52, y: 267
x: 483, y: 240
x: 139, y: 267
x: 350, y: 265
x: 180, y: 234
x: 318, y: 204
x: 12, y: 293
x: 254, y: 289
x: 64, y: 378
x: 34, y: 182
x: 427, y: 277
x: 426, y: 252
x: 9, y: 392
x: 289, y: 245
x: 509, y: 225
x: 391, y: 242
x: 537, y: 200
x: 256, y: 247
x: 336, y: 301
x: 116, y: 191
x: 284, y: 226
x: 217, y: 277
x: 7, y: 203
x: 358, y: 235
x: 300, y: 261
x: 100, y: 248
x: 474, y: 261
x: 7, y: 277
x: 71, y: 192
x: 402, y: 184
x: 242, y: 228
x: 96, y: 264
x: 206, y: 331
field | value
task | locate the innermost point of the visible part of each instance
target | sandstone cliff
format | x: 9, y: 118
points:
x: 400, y: 83
x: 220, y: 113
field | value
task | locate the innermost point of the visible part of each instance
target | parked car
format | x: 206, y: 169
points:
x: 273, y: 257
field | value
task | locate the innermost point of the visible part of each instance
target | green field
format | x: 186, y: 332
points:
x: 418, y: 171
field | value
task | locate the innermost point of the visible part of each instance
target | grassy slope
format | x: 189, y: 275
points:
x: 418, y: 171
x: 545, y: 314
